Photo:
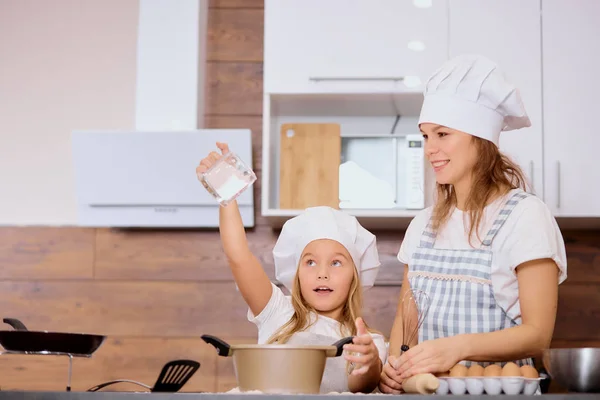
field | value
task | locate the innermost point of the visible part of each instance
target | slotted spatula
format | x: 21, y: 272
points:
x: 172, y: 377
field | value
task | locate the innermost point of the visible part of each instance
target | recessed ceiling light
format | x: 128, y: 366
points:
x: 422, y: 3
x: 416, y: 45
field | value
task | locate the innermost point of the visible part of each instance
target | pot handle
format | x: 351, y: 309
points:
x: 223, y: 348
x: 15, y: 323
x: 339, y: 347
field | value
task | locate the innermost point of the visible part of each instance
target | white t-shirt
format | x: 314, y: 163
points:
x: 279, y: 310
x: 529, y: 233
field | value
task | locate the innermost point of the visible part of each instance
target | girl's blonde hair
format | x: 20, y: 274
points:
x: 302, y: 310
x: 494, y: 174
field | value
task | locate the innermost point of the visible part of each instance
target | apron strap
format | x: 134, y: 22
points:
x: 427, y: 237
x: 503, y: 216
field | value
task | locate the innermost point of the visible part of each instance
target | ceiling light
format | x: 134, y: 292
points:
x: 422, y: 3
x: 416, y: 45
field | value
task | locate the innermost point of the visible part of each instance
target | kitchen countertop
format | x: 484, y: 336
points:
x: 14, y: 395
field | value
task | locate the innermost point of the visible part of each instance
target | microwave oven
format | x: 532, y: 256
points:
x: 382, y: 172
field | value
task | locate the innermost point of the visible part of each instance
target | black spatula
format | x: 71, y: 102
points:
x: 172, y: 377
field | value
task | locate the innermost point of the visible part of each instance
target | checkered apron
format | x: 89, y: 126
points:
x: 458, y: 283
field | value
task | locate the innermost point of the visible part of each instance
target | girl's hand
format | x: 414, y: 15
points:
x: 368, y: 355
x: 211, y: 158
x: 390, y: 382
x: 433, y: 356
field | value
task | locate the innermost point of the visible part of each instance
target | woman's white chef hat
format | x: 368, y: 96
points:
x: 470, y: 93
x: 325, y: 223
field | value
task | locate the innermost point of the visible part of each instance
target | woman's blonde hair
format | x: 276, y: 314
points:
x: 302, y: 310
x: 494, y: 174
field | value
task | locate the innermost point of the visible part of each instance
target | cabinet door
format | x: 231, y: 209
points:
x: 482, y: 27
x: 365, y: 45
x: 571, y: 61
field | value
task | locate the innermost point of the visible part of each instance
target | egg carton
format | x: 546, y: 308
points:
x: 490, y: 385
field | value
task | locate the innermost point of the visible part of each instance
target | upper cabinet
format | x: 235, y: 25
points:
x: 363, y: 64
x: 480, y: 27
x: 571, y: 60
x: 314, y: 46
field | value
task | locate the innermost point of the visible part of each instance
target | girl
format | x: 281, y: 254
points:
x: 489, y: 255
x: 323, y: 257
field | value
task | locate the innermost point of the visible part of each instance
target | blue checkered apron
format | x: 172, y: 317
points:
x: 458, y: 283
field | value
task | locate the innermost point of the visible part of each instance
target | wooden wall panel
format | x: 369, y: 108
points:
x: 235, y: 35
x: 578, y: 315
x: 198, y: 256
x: 245, y: 4
x: 149, y: 309
x: 46, y: 253
x: 174, y: 255
x: 234, y: 88
x: 138, y: 359
x: 583, y: 256
x: 143, y: 308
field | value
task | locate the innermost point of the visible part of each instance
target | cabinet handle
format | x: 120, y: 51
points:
x: 395, y: 161
x: 558, y: 184
x: 356, y: 78
x: 531, y: 175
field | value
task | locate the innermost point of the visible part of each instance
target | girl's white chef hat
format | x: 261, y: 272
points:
x: 325, y: 223
x: 470, y: 93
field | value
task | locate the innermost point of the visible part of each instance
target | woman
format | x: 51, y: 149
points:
x: 488, y: 254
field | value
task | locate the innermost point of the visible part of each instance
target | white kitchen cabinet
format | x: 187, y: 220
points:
x: 315, y: 46
x: 571, y: 88
x: 482, y: 27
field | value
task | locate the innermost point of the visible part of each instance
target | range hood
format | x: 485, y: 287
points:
x: 148, y: 178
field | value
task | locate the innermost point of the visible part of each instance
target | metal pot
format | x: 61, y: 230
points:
x: 272, y: 368
x: 22, y: 340
x: 575, y: 369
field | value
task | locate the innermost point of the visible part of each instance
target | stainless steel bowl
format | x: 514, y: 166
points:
x: 575, y: 369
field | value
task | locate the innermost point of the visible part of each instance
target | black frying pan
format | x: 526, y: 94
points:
x: 23, y: 340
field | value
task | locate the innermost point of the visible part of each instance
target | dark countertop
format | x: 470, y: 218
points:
x: 10, y: 395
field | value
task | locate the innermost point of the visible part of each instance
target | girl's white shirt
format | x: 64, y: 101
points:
x: 279, y: 310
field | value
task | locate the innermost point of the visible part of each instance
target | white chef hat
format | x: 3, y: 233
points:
x: 325, y: 223
x: 470, y: 93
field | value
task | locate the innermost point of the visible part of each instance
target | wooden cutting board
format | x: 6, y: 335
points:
x: 309, y: 162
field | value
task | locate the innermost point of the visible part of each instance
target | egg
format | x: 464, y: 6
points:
x: 511, y: 369
x: 492, y: 370
x: 443, y: 374
x: 529, y: 372
x: 459, y: 370
x: 475, y: 370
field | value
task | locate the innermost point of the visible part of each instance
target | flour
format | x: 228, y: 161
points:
x: 238, y: 391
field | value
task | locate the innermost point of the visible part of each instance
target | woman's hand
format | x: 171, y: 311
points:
x: 433, y: 356
x: 368, y: 355
x: 390, y: 382
x: 211, y: 158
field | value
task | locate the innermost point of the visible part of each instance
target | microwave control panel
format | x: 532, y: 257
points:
x: 415, y: 171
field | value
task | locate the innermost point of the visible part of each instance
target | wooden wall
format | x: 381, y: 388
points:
x: 155, y: 292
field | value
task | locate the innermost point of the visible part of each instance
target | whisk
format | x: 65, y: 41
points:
x: 415, y: 305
